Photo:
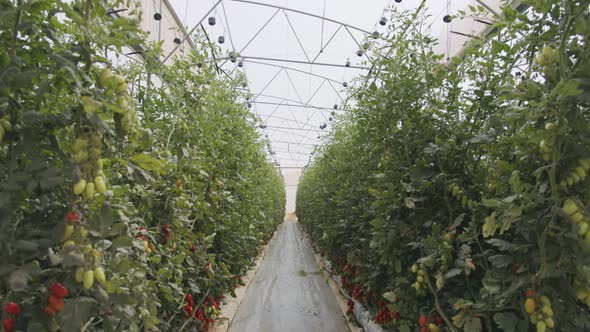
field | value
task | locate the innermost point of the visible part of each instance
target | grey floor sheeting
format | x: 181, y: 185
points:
x: 288, y: 292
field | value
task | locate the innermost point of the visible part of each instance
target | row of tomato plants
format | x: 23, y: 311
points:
x: 132, y: 196
x: 456, y: 197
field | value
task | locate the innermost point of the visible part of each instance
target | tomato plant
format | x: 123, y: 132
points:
x: 457, y: 188
x: 124, y: 187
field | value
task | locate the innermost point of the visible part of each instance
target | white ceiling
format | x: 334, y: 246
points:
x: 293, y: 127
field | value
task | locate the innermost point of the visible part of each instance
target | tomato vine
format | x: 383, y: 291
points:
x: 126, y: 187
x: 456, y: 188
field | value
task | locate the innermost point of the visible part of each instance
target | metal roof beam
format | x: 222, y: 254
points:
x: 303, y: 106
x: 186, y: 36
x: 298, y: 70
x: 300, y: 129
x: 303, y: 13
x: 245, y: 57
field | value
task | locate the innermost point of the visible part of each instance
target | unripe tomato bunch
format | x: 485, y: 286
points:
x: 578, y: 216
x: 75, y: 236
x: 12, y: 309
x: 5, y: 127
x: 582, y: 291
x: 548, y: 56
x: 87, y: 149
x: 577, y: 174
x: 547, y: 146
x: 459, y: 194
x: 541, y: 316
x: 125, y: 117
x: 420, y: 285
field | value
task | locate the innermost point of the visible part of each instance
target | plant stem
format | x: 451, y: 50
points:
x: 437, y: 303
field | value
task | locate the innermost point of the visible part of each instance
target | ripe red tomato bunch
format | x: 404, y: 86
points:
x: 188, y: 308
x: 167, y: 232
x: 71, y: 217
x: 56, y: 302
x: 358, y: 270
x: 346, y: 285
x: 385, y: 315
x: 12, y: 309
x: 205, y: 313
x: 358, y: 291
x: 350, y: 304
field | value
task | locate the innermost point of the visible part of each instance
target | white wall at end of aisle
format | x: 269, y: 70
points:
x: 291, y: 180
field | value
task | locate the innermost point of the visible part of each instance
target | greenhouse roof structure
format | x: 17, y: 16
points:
x: 301, y: 58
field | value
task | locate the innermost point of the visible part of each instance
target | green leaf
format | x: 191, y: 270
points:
x: 148, y: 163
x: 390, y: 296
x: 497, y: 46
x: 156, y: 259
x: 502, y: 244
x: 122, y: 242
x: 566, y: 88
x: 473, y: 325
x: 76, y: 313
x: 377, y: 222
x: 106, y: 215
x: 404, y: 328
x: 500, y: 261
x: 506, y: 321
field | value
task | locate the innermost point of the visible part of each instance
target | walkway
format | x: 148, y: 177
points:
x: 288, y: 292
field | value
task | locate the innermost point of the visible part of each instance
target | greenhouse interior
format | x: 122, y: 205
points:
x: 310, y: 165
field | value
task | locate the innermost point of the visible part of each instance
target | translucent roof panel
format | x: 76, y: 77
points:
x: 299, y: 57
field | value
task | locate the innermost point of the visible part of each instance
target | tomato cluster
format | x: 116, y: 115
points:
x: 420, y: 285
x: 386, y: 316
x: 167, y: 231
x: 429, y: 324
x: 541, y: 317
x: 13, y: 309
x: 461, y: 196
x: 350, y: 306
x: 466, y: 182
x: 56, y: 300
x: 205, y: 313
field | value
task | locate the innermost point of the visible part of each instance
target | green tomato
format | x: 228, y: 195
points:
x: 542, y: 60
x: 547, y: 311
x: 79, y: 275
x: 81, y: 157
x: 89, y: 191
x: 580, y: 171
x: 6, y: 125
x: 80, y: 187
x: 104, y: 77
x: 100, y: 185
x: 570, y: 207
x: 578, y: 217
x: 121, y: 88
x: 550, y: 322
x: 88, y: 279
x: 99, y: 275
